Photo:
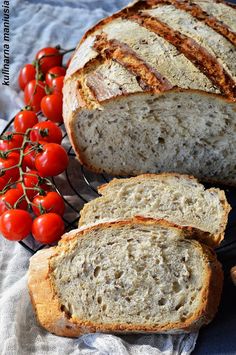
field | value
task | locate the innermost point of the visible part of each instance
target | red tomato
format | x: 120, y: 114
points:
x: 46, y: 131
x: 25, y: 119
x: 32, y: 179
x: 51, y: 106
x: 3, y: 183
x: 12, y: 141
x: 10, y: 198
x: 15, y: 224
x: 51, y: 202
x: 54, y: 73
x: 49, y: 57
x: 33, y: 94
x: 27, y: 73
x: 29, y: 157
x: 9, y: 161
x: 57, y: 85
x: 48, y: 228
x: 52, y: 161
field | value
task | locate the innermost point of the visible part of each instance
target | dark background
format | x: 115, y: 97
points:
x: 220, y: 336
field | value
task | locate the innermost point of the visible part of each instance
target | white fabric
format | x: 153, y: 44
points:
x: 34, y: 25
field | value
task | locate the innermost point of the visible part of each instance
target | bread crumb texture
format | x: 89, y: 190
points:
x: 133, y: 275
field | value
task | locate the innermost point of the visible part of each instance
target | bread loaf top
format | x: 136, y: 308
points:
x: 156, y: 45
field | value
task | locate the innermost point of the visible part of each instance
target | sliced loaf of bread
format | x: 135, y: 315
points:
x: 128, y: 276
x: 179, y: 199
x: 152, y: 89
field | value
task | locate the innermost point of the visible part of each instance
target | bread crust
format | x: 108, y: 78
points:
x: 86, y: 98
x: 52, y: 317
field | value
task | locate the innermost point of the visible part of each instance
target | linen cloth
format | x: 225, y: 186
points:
x: 35, y: 25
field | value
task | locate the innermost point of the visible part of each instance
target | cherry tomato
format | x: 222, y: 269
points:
x: 51, y: 202
x: 57, y: 85
x: 54, y: 73
x: 48, y: 228
x: 51, y: 106
x: 27, y: 73
x: 29, y: 157
x: 9, y: 161
x: 33, y: 94
x: 10, y: 198
x: 15, y: 224
x: 49, y: 57
x: 46, y: 131
x: 3, y: 183
x: 52, y: 161
x: 12, y: 141
x: 32, y: 179
x: 25, y: 119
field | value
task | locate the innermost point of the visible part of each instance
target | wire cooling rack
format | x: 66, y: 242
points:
x: 78, y: 186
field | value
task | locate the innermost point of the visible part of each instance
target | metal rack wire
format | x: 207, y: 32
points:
x: 89, y: 183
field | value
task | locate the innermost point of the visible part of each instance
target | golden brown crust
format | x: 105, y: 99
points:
x: 148, y: 78
x: 196, y: 11
x: 197, y: 54
x: 46, y: 304
x: 86, y: 94
x: 50, y: 312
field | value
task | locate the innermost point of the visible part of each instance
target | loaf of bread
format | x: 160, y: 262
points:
x: 179, y: 199
x: 153, y: 88
x: 128, y: 276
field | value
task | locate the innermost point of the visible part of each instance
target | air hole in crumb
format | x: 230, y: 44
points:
x: 176, y: 286
x: 178, y: 306
x: 104, y: 307
x: 161, y: 140
x: 127, y: 299
x: 118, y: 274
x: 68, y: 326
x: 99, y: 299
x: 162, y: 302
x: 96, y: 271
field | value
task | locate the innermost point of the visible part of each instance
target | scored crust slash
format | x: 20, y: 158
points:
x: 152, y: 89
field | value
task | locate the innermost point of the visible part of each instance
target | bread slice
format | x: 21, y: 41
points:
x: 177, y: 198
x: 152, y: 89
x: 128, y: 276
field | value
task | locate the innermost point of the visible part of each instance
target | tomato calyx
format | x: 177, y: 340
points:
x: 44, y: 132
x: 4, y: 155
x: 7, y: 136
